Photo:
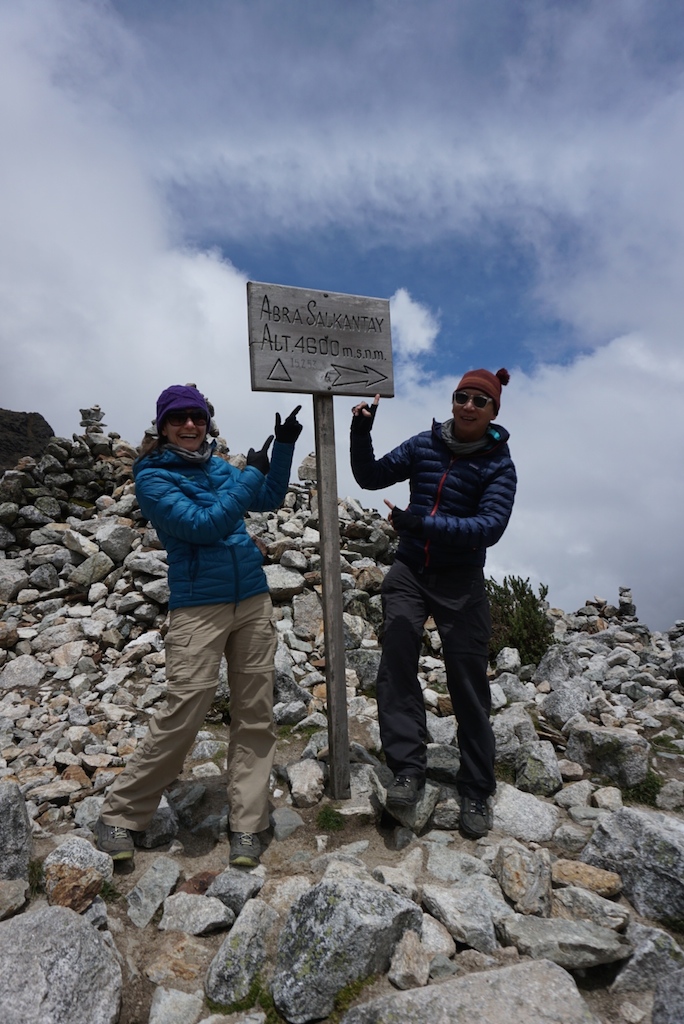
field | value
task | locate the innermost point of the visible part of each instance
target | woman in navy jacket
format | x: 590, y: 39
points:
x: 462, y: 486
x: 219, y: 604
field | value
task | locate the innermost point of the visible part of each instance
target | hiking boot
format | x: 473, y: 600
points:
x: 474, y: 818
x: 245, y: 850
x: 405, y: 790
x: 114, y: 840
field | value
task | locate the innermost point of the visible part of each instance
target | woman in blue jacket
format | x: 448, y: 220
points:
x: 462, y: 485
x: 219, y: 604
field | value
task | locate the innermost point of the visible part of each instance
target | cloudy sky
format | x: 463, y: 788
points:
x: 507, y: 173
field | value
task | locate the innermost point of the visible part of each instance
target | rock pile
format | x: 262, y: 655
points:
x: 570, y: 910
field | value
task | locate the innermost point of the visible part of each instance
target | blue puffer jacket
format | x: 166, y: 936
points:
x: 465, y: 501
x: 197, y: 509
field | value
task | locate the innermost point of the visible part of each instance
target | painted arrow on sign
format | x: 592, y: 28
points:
x: 354, y: 375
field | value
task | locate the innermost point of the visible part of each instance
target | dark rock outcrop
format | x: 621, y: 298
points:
x: 21, y: 434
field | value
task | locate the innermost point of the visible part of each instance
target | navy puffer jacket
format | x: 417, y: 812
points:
x: 465, y: 501
x: 197, y: 510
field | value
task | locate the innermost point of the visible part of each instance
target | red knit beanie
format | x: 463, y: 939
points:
x: 488, y: 383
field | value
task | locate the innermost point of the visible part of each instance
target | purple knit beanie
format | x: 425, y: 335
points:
x: 177, y: 398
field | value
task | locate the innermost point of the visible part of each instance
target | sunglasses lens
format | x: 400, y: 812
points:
x: 177, y: 419
x: 462, y: 398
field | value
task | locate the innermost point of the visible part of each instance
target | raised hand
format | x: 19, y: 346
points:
x: 363, y: 416
x: 289, y: 430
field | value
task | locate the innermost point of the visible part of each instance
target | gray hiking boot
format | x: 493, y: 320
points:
x: 245, y: 850
x: 474, y: 819
x: 114, y: 840
x: 405, y: 790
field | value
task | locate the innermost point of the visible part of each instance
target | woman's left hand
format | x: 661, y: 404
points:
x: 289, y: 430
x: 404, y: 521
x: 260, y: 460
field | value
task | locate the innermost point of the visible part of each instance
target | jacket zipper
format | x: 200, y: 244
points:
x: 426, y: 547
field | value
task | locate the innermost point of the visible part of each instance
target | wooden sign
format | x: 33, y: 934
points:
x: 314, y: 342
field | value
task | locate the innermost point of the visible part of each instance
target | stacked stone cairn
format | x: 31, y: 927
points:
x: 570, y: 910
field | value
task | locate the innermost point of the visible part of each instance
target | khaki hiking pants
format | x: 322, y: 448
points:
x: 196, y: 639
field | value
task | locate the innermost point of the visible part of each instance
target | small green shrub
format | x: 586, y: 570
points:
x: 644, y: 792
x: 36, y: 877
x: 666, y: 743
x: 504, y: 773
x: 110, y: 893
x: 259, y: 995
x: 518, y: 618
x: 219, y: 712
x: 346, y: 996
x: 330, y: 820
x: 306, y: 731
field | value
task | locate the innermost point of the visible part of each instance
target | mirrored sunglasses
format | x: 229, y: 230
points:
x: 479, y: 401
x: 178, y: 419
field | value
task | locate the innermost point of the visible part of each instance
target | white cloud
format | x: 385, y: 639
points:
x: 124, y: 135
x: 596, y: 445
x: 414, y: 326
x: 96, y: 303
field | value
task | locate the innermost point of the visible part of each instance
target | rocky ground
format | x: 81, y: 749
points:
x: 571, y: 909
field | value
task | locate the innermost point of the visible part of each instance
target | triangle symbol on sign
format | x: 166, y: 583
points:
x: 279, y: 372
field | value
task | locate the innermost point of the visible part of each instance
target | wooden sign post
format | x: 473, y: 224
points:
x: 325, y: 344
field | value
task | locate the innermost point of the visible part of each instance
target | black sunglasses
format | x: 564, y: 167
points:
x: 178, y: 419
x: 479, y: 401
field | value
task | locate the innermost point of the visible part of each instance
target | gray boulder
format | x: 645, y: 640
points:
x: 570, y: 944
x: 336, y: 933
x: 79, y: 853
x: 13, y: 578
x: 195, y: 915
x: 647, y: 850
x: 567, y: 699
x: 539, y: 992
x: 365, y: 663
x: 242, y: 955
x: 169, y: 1006
x: 443, y: 763
x: 469, y: 910
x: 512, y: 726
x: 668, y: 1001
x: 513, y: 689
x: 453, y: 865
x: 617, y: 754
x: 16, y: 843
x: 656, y: 954
x: 55, y: 968
x: 523, y: 815
x: 536, y: 769
x: 234, y: 887
x: 24, y: 673
x: 152, y: 889
x: 559, y: 664
x: 577, y: 904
